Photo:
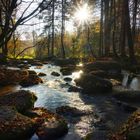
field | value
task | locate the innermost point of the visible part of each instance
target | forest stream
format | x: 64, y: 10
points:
x: 103, y: 112
x: 106, y: 115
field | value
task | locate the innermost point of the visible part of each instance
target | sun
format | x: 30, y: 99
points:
x: 82, y: 14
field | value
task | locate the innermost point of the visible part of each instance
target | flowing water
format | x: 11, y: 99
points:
x: 107, y: 115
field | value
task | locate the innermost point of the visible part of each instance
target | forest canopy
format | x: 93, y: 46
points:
x: 69, y: 28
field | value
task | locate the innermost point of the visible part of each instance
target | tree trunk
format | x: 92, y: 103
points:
x: 129, y: 33
x: 101, y: 31
x: 63, y: 28
x: 53, y: 12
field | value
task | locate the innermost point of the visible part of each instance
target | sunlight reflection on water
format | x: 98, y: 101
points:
x: 77, y: 75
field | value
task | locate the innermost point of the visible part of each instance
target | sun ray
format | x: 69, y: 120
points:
x: 82, y: 14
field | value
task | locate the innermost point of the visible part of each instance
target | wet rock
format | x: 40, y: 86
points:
x: 65, y: 62
x: 37, y: 63
x: 42, y: 74
x: 31, y: 80
x: 32, y: 72
x: 71, y: 111
x: 15, y: 126
x: 92, y: 84
x: 67, y: 70
x: 55, y: 73
x: 74, y: 89
x: 52, y: 125
x: 12, y: 75
x: 23, y: 66
x: 22, y: 100
x: 67, y: 79
x: 107, y: 69
x: 128, y: 96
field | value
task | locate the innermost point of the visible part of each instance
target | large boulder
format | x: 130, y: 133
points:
x: 93, y: 84
x: 52, y: 125
x: 14, y: 126
x: 108, y: 69
x: 22, y: 100
x: 12, y: 75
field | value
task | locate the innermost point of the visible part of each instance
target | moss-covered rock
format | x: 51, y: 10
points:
x: 14, y: 126
x: 92, y: 84
x: 22, y: 100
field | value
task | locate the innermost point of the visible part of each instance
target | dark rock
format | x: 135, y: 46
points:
x: 74, y: 89
x: 107, y: 69
x: 99, y: 73
x: 128, y: 96
x: 22, y: 100
x: 32, y: 72
x: 14, y: 126
x: 24, y: 66
x: 3, y: 59
x: 52, y: 126
x: 55, y: 73
x: 65, y: 62
x: 42, y: 74
x: 67, y: 79
x: 92, y: 84
x: 31, y: 80
x: 36, y: 63
x: 110, y: 66
x: 12, y: 75
x: 67, y: 70
x: 71, y: 111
